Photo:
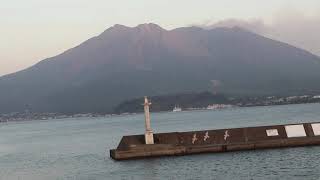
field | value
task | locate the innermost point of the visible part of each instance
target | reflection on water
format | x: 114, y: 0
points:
x: 78, y: 148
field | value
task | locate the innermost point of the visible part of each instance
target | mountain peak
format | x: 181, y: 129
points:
x: 117, y: 26
x: 145, y: 28
x: 149, y: 27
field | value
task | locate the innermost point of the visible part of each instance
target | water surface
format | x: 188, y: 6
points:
x: 75, y: 149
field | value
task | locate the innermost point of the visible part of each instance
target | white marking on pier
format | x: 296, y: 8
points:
x: 194, y: 139
x: 226, y: 135
x: 295, y: 131
x: 272, y: 132
x: 206, y: 136
x: 316, y: 129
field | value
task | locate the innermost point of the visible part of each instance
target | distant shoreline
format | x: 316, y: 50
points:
x: 61, y: 117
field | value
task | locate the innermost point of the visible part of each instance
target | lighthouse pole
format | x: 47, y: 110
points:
x: 148, y: 134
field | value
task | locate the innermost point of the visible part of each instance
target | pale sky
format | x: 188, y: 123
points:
x: 32, y: 30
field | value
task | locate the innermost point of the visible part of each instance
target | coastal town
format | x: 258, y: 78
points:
x: 232, y: 103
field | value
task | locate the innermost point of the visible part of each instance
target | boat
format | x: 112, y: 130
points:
x: 177, y: 109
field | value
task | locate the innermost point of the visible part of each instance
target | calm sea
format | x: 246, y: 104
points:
x: 78, y: 148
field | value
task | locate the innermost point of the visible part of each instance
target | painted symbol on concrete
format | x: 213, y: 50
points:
x: 206, y: 136
x: 226, y: 135
x: 194, y: 139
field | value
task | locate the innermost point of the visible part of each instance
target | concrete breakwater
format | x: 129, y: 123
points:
x: 221, y: 140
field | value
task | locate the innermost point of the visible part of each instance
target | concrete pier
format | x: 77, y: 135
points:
x: 221, y: 140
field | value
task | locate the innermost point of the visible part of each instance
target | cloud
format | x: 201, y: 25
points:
x: 292, y: 27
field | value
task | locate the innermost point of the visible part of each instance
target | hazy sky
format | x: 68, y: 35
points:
x: 32, y: 30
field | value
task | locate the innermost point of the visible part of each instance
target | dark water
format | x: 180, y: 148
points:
x: 78, y: 148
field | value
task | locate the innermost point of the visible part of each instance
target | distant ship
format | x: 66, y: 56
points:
x: 177, y: 109
x: 218, y: 106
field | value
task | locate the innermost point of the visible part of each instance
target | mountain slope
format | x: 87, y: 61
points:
x: 123, y: 63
